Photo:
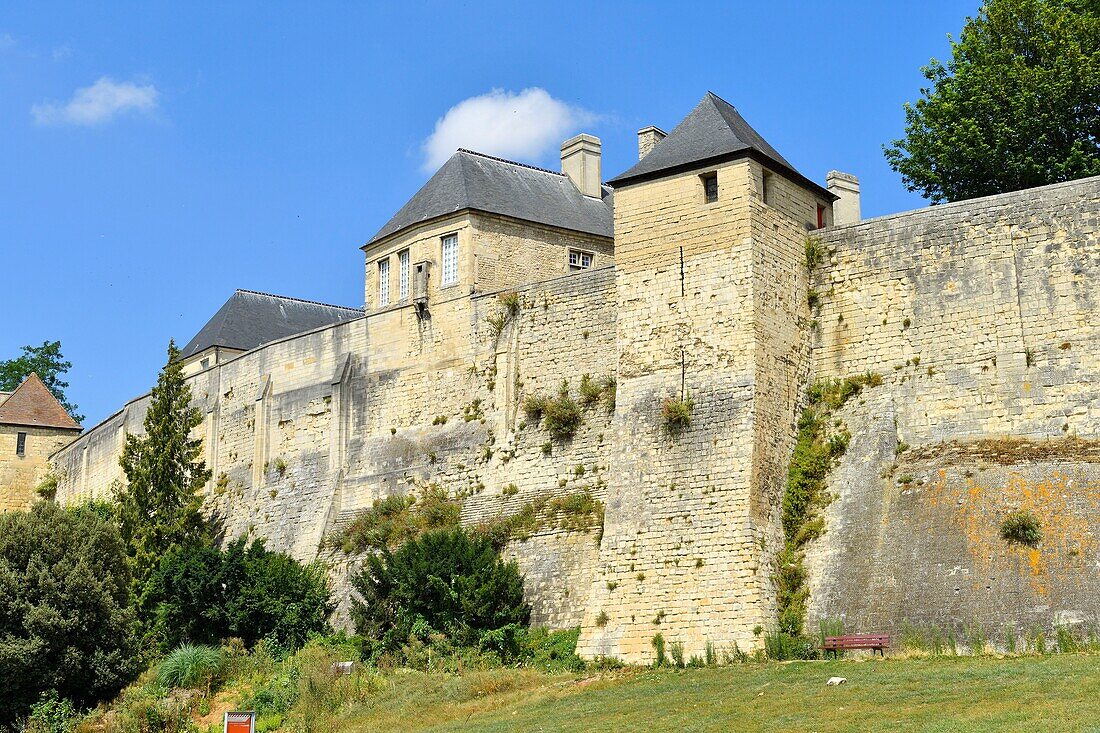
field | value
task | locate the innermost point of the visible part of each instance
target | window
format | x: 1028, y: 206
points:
x: 820, y: 216
x: 450, y: 259
x: 765, y: 187
x: 384, y: 282
x: 579, y: 260
x: 710, y: 187
x: 205, y: 363
x: 20, y: 444
x: 403, y: 274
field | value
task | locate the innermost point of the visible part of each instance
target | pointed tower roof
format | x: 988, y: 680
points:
x: 714, y: 132
x: 471, y: 180
x: 249, y: 319
x: 33, y: 405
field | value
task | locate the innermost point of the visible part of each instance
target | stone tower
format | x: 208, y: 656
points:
x: 710, y: 231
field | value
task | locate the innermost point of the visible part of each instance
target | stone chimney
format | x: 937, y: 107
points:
x: 580, y: 160
x: 846, y: 187
x: 648, y: 137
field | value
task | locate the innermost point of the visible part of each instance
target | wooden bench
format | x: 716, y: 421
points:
x: 874, y: 642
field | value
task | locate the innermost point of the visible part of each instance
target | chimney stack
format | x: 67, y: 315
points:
x: 846, y: 187
x: 580, y: 160
x: 648, y: 137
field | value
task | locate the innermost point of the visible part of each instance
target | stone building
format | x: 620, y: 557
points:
x: 33, y: 425
x: 684, y: 279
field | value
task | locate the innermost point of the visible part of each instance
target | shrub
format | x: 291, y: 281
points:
x: 561, y: 417
x: 676, y: 651
x: 200, y: 595
x: 659, y: 658
x: 47, y: 488
x: 448, y: 582
x: 676, y: 414
x: 191, y: 666
x: 782, y: 646
x: 66, y: 623
x: 1022, y: 528
x: 51, y: 714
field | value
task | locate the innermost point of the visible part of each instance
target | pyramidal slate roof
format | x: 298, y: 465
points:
x: 470, y: 180
x: 713, y: 132
x: 33, y: 405
x: 250, y: 319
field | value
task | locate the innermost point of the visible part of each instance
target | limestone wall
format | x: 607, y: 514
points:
x: 303, y: 434
x: 21, y: 474
x: 711, y: 307
x: 983, y: 319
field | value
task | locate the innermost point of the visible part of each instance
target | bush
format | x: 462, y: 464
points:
x: 677, y: 414
x: 66, y: 624
x: 1022, y: 528
x: 190, y: 666
x: 396, y: 519
x: 202, y: 595
x: 51, y: 714
x: 561, y: 415
x: 447, y: 583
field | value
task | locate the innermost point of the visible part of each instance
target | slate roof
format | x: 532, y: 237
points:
x: 250, y: 319
x: 33, y: 405
x: 713, y: 132
x: 470, y: 180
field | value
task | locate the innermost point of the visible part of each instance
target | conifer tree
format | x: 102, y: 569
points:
x: 159, y: 508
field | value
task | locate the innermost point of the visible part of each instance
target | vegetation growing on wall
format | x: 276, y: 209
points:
x: 397, y: 519
x: 1021, y: 528
x: 819, y: 444
x: 577, y: 512
x: 676, y: 414
x: 508, y: 307
x: 560, y: 415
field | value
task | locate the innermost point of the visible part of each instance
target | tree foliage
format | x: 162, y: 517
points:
x: 201, y: 595
x: 1017, y: 106
x: 447, y: 582
x: 47, y: 362
x: 159, y: 508
x: 66, y: 626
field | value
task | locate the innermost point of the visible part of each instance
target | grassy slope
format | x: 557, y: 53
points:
x: 1053, y: 693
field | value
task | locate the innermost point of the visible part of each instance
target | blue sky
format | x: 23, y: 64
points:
x: 156, y: 156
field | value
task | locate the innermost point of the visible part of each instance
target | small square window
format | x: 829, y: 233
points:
x: 204, y: 364
x: 579, y: 260
x: 20, y: 444
x: 710, y: 187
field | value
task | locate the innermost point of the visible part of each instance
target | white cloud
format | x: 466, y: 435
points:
x: 101, y: 102
x: 526, y: 125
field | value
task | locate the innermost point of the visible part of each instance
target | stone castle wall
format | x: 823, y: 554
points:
x: 980, y: 316
x: 983, y: 319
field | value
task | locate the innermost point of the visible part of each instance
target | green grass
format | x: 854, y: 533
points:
x: 1053, y: 693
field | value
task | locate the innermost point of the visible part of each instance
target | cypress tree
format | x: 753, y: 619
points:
x: 159, y: 508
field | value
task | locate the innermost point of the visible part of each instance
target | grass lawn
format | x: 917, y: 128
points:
x: 1048, y: 693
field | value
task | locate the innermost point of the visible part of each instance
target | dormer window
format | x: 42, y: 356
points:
x: 710, y: 187
x: 579, y: 260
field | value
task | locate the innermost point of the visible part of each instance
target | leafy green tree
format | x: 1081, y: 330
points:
x: 159, y: 507
x: 1017, y: 106
x: 446, y: 581
x: 66, y: 625
x: 47, y: 362
x: 201, y: 595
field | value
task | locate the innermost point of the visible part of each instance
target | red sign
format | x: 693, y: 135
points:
x: 240, y: 722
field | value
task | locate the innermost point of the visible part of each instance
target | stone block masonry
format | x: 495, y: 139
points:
x: 981, y: 317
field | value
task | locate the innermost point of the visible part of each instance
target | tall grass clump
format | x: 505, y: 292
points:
x: 1021, y: 528
x: 190, y: 666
